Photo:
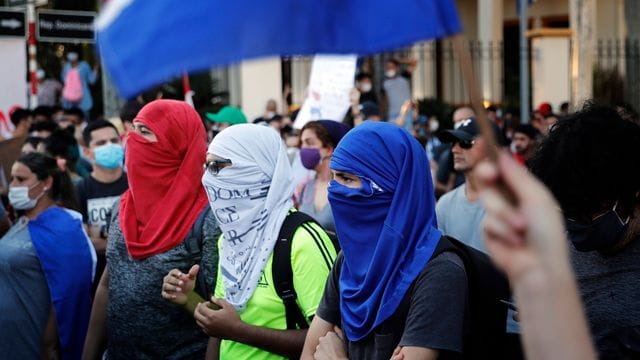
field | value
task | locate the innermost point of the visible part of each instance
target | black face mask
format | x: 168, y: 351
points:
x: 604, y: 232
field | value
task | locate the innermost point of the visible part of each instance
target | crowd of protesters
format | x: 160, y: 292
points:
x: 382, y: 236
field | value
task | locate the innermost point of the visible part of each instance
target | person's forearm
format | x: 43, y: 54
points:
x: 50, y: 338
x: 193, y: 299
x: 96, y: 340
x: 99, y: 243
x: 213, y: 349
x: 287, y: 343
x: 553, y: 322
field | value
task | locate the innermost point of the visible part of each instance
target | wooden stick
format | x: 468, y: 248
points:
x: 468, y: 75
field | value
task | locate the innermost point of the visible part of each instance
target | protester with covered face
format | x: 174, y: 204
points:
x: 161, y: 222
x: 590, y: 163
x: 385, y: 289
x: 249, y: 185
x: 319, y: 139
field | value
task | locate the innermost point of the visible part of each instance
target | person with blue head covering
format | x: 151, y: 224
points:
x: 385, y: 290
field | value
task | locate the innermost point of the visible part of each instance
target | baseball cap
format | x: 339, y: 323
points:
x: 227, y: 114
x: 467, y: 131
x: 545, y: 109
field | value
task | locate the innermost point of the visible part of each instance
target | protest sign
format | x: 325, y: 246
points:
x: 331, y: 81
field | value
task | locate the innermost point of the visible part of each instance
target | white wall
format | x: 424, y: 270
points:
x: 260, y: 80
x: 550, y: 77
x: 13, y: 74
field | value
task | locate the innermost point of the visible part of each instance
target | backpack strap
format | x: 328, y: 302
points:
x: 195, y: 240
x: 282, y: 272
x: 487, y: 285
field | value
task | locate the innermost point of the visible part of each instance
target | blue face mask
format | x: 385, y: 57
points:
x: 109, y: 156
x: 604, y: 232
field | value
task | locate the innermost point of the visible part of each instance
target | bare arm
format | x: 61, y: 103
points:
x: 96, y: 340
x: 319, y: 328
x: 225, y: 323
x: 213, y: 349
x: 99, y: 243
x: 50, y: 338
x: 418, y: 353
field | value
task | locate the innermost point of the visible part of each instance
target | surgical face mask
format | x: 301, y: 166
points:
x: 109, y: 156
x: 434, y: 125
x: 390, y: 73
x: 310, y: 157
x: 366, y: 87
x: 72, y: 56
x: 19, y: 197
x: 270, y: 114
x: 604, y: 232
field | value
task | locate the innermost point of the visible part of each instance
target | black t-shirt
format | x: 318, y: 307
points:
x: 96, y: 198
x: 433, y: 314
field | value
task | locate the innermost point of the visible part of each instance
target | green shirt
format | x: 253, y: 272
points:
x: 311, y: 261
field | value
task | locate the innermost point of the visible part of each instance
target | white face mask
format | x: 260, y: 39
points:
x: 434, y: 125
x: 390, y: 73
x: 366, y: 87
x: 19, y: 197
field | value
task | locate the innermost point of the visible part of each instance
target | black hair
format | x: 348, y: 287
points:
x: 33, y: 140
x: 362, y: 76
x: 76, y: 112
x: 528, y: 130
x: 18, y: 115
x: 130, y: 110
x: 321, y: 132
x: 43, y: 166
x: 627, y: 112
x: 393, y: 61
x: 590, y: 160
x: 62, y: 144
x: 564, y: 106
x: 93, y: 126
x: 48, y: 125
x: 42, y: 110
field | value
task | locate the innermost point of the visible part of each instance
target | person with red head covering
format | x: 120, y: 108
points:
x: 162, y: 222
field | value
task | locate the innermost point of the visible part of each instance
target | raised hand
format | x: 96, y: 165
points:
x: 177, y: 285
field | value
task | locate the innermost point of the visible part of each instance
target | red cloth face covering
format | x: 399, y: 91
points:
x: 165, y: 195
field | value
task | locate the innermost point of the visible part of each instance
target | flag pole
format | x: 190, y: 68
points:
x: 469, y: 78
x: 524, y: 63
x: 486, y: 130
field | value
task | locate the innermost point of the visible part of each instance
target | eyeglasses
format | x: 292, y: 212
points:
x: 465, y: 144
x: 214, y: 166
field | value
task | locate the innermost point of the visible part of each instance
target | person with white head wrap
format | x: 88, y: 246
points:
x: 259, y: 188
x: 250, y: 184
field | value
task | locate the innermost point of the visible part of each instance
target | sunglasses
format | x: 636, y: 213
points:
x: 465, y: 144
x: 214, y: 166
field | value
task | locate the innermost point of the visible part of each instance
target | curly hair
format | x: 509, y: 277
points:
x: 590, y: 160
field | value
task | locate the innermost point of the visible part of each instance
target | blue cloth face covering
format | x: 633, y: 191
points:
x: 386, y: 228
x: 109, y: 156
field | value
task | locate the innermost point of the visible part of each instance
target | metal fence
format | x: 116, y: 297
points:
x: 438, y: 75
x: 617, y: 71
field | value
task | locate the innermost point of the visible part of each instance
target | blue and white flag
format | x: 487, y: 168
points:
x: 143, y: 43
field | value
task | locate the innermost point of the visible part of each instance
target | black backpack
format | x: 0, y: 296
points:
x: 487, y: 287
x: 281, y: 267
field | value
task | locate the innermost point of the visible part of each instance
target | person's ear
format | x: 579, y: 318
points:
x: 329, y: 150
x: 88, y: 153
x: 48, y: 183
